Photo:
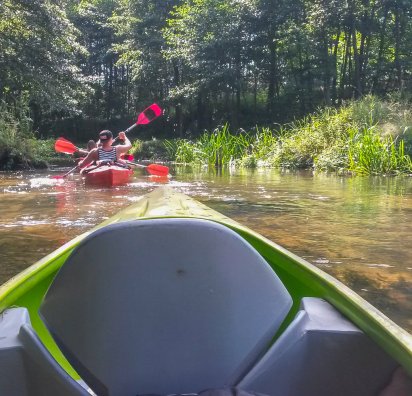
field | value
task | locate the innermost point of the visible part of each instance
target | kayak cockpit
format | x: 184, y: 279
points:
x: 167, y: 306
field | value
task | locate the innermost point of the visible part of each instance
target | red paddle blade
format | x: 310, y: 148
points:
x: 158, y: 170
x: 127, y: 157
x: 149, y: 114
x: 64, y: 146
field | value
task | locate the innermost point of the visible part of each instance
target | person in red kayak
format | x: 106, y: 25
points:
x: 106, y: 153
x: 91, y: 144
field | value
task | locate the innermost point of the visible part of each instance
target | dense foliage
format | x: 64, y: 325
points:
x: 367, y: 136
x: 84, y: 65
x: 208, y: 62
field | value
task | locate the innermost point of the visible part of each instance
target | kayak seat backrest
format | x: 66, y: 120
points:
x: 321, y: 353
x: 26, y: 366
x: 164, y: 306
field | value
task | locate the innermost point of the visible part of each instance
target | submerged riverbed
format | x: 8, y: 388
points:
x: 357, y: 229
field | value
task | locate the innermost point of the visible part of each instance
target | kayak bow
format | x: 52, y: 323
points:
x: 168, y: 285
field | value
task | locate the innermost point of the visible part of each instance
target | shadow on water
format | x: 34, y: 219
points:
x: 356, y: 229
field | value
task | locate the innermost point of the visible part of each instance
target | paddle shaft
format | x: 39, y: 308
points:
x: 66, y: 174
x: 153, y: 169
x: 143, y: 117
x: 126, y: 131
x: 134, y: 164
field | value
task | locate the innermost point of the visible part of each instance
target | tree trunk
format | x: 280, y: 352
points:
x: 356, y: 63
x: 334, y: 69
x: 397, y: 62
x: 272, y: 84
x: 344, y: 67
x: 200, y: 113
x: 178, y: 107
x: 327, y: 74
x: 381, y: 50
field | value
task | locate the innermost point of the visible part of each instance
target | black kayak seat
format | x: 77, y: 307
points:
x: 321, y: 353
x: 26, y: 366
x: 164, y: 306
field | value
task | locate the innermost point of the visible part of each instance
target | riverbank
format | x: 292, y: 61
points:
x: 369, y: 136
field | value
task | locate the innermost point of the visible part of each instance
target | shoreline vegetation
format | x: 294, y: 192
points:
x: 364, y: 137
x: 280, y: 84
x: 369, y: 136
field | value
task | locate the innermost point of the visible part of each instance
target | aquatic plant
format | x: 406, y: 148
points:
x: 369, y: 136
x: 216, y: 148
x: 371, y: 153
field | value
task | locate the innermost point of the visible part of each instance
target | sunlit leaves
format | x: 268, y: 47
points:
x: 38, y: 45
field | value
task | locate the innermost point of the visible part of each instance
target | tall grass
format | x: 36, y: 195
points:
x: 371, y: 153
x: 311, y: 142
x: 220, y: 147
x: 264, y: 143
x: 217, y: 148
x: 369, y: 136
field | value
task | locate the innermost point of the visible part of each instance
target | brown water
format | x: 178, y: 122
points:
x: 357, y: 229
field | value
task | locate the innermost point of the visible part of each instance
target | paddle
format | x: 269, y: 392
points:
x: 146, y: 116
x: 66, y: 174
x: 153, y: 169
x: 127, y: 157
x: 63, y: 145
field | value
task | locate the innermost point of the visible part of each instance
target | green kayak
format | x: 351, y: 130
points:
x: 171, y: 297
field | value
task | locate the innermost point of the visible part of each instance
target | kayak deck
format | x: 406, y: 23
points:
x: 300, y: 278
x: 107, y: 176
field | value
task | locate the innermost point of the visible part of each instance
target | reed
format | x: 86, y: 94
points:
x: 370, y: 153
x: 369, y: 136
x: 265, y: 141
x: 217, y: 148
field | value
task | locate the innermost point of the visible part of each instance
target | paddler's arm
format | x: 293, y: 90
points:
x: 125, y: 147
x: 81, y: 151
x: 91, y: 157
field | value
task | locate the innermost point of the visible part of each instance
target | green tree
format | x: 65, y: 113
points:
x: 38, y: 49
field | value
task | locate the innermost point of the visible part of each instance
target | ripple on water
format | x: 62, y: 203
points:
x: 14, y: 191
x: 25, y: 223
x: 83, y: 222
x: 380, y: 265
x: 356, y: 229
x: 45, y: 181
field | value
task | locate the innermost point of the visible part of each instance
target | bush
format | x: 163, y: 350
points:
x: 16, y: 148
x: 153, y: 150
x: 369, y: 136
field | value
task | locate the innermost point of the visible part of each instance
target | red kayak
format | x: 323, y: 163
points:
x: 106, y: 175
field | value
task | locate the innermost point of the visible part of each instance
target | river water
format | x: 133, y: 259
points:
x: 358, y: 229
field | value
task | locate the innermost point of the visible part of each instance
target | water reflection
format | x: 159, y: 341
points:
x: 357, y: 229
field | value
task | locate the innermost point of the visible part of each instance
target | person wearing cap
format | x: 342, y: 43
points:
x: 106, y: 153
